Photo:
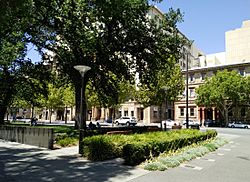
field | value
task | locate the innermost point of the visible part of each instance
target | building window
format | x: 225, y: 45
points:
x: 155, y: 114
x: 191, y: 111
x: 132, y: 113
x: 191, y: 92
x: 125, y: 113
x: 182, y: 111
x: 191, y: 78
x: 242, y: 72
x: 203, y: 75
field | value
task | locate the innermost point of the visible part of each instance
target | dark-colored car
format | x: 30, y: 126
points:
x: 209, y: 123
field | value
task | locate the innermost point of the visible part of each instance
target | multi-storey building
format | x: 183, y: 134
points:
x: 238, y: 44
x: 236, y: 57
x: 196, y: 78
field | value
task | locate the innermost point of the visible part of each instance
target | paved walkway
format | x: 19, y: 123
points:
x: 19, y: 162
x: 24, y: 163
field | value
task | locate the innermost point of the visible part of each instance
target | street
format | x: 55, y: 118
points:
x: 230, y: 163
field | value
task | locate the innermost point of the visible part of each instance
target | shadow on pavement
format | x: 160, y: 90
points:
x: 34, y: 164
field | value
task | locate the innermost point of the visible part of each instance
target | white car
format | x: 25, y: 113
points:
x: 169, y: 123
x: 126, y: 120
x: 238, y: 125
x: 191, y: 122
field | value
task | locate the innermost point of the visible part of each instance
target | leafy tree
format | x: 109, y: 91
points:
x: 68, y: 97
x: 112, y: 37
x: 167, y: 87
x: 54, y: 100
x: 125, y: 92
x: 224, y: 91
x: 19, y: 77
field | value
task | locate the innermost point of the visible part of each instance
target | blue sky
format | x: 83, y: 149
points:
x: 206, y: 21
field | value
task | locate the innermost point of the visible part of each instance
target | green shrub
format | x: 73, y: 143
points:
x: 135, y: 153
x: 67, y: 141
x: 98, y: 148
x: 137, y: 148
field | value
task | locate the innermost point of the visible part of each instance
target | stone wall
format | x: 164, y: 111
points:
x: 41, y: 137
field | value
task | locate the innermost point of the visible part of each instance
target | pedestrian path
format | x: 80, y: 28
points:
x: 20, y: 162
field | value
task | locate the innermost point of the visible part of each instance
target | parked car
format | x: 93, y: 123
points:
x: 210, y: 123
x: 21, y: 119
x: 126, y: 120
x: 107, y: 122
x: 191, y: 122
x: 238, y: 124
x: 169, y: 123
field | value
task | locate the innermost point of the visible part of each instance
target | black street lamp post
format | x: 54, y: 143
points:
x: 187, y: 114
x: 82, y: 125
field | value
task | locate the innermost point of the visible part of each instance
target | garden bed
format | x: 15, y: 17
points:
x: 137, y: 148
x: 174, y: 159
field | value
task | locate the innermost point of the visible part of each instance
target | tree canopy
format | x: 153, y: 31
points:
x: 19, y: 77
x: 112, y: 37
x: 115, y: 38
x: 224, y: 91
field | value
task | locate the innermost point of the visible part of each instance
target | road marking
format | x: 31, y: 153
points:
x: 188, y: 166
x: 220, y: 154
x: 225, y: 149
x: 206, y: 159
x: 209, y: 160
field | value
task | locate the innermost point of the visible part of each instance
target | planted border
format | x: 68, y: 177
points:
x: 137, y: 148
x: 166, y: 161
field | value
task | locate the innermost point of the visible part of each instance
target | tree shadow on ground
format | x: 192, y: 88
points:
x: 35, y: 164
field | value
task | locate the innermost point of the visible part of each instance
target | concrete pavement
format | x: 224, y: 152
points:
x: 19, y: 162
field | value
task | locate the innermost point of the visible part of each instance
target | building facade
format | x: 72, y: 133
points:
x: 196, y: 78
x: 236, y: 57
x: 238, y: 44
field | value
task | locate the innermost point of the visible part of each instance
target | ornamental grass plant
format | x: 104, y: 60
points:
x: 173, y: 159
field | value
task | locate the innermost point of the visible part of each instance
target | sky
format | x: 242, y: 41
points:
x: 206, y: 21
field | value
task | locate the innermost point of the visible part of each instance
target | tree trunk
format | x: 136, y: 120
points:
x: 50, y: 114
x: 32, y: 111
x: 6, y: 92
x: 66, y: 115
x: 3, y: 110
x: 113, y: 117
x: 226, y: 116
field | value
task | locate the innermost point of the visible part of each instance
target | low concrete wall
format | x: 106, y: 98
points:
x: 41, y: 137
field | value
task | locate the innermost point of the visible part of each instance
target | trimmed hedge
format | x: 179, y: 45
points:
x: 98, y: 148
x: 136, y: 148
